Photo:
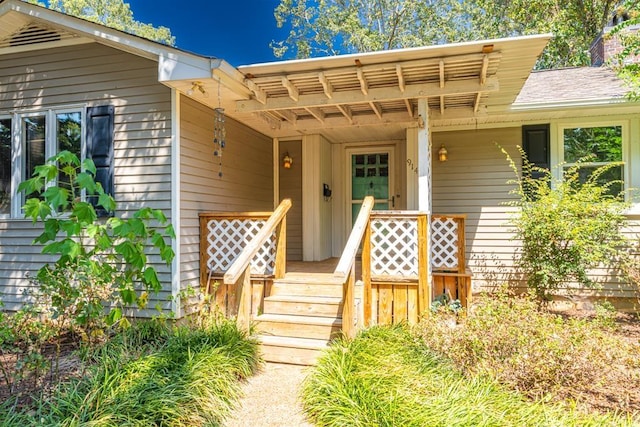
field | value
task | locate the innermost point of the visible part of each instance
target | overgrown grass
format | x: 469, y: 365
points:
x: 152, y: 375
x: 385, y: 377
x: 513, y: 340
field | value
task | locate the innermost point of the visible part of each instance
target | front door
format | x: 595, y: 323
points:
x: 371, y: 175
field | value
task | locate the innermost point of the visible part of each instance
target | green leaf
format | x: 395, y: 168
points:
x: 167, y: 254
x: 170, y: 231
x: 114, y: 316
x: 30, y: 186
x: 86, y: 181
x: 88, y: 165
x: 128, y: 296
x: 57, y: 197
x: 36, y: 208
x: 150, y: 278
x: 72, y: 228
x: 48, y: 171
x: 84, y: 212
x: 159, y: 216
x: 107, y: 202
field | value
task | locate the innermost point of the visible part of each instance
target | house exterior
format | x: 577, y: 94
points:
x: 352, y: 126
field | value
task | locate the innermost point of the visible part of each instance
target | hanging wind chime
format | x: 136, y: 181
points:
x: 219, y: 133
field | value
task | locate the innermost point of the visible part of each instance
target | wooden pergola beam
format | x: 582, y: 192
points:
x: 326, y: 85
x: 364, y: 85
x: 346, y: 112
x: 376, y: 109
x: 317, y: 113
x: 258, y: 93
x: 458, y: 87
x: 294, y: 94
x: 483, y: 71
x: 400, y: 75
x: 407, y: 104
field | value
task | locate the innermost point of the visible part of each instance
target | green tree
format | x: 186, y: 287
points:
x: 112, y: 13
x: 627, y: 62
x: 338, y: 26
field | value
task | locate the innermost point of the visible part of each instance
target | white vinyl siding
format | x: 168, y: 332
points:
x: 90, y: 75
x: 246, y: 183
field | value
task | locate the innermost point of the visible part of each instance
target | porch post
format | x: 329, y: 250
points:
x: 424, y: 158
x: 424, y: 199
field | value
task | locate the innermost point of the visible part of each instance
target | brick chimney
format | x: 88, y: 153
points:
x: 606, y: 46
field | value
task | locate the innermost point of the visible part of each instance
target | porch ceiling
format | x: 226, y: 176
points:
x: 353, y: 97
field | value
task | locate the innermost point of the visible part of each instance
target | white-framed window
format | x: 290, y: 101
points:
x: 601, y: 143
x: 28, y: 139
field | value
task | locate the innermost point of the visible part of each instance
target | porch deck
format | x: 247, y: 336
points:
x: 298, y: 307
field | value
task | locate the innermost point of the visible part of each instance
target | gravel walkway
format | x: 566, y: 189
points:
x: 271, y: 398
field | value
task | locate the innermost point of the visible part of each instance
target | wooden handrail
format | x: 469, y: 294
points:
x: 357, y: 232
x: 244, y: 259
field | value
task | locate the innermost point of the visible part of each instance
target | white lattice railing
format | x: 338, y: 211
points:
x: 224, y: 236
x: 394, y: 244
x: 447, y: 243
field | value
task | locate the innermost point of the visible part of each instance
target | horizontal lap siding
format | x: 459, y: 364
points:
x: 89, y: 75
x: 246, y: 184
x: 474, y: 182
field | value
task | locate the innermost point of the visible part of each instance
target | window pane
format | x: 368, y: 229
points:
x: 614, y: 173
x: 5, y: 166
x: 603, y: 143
x: 69, y: 136
x: 34, y: 134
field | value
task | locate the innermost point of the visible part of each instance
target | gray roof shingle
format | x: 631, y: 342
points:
x: 571, y: 84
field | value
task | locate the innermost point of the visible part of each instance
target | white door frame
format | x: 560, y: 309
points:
x: 365, y: 149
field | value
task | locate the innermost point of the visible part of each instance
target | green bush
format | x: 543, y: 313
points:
x: 152, y: 375
x: 385, y: 377
x: 511, y: 339
x: 566, y: 227
x: 100, y: 261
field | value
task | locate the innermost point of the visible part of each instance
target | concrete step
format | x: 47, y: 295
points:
x: 312, y: 327
x: 301, y: 305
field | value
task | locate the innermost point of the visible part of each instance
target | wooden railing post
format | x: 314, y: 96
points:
x: 348, y: 301
x: 243, y: 290
x: 281, y: 250
x: 366, y: 275
x: 347, y: 264
x: 424, y: 259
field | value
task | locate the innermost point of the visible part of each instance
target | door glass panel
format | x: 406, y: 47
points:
x: 369, y: 177
x: 5, y: 166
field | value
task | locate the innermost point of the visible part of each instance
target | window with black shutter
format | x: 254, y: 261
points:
x: 536, y: 145
x: 100, y: 149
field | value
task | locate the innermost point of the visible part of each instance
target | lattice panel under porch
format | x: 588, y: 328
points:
x: 228, y: 237
x: 444, y: 243
x: 394, y: 247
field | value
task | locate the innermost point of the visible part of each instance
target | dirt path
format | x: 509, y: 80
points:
x: 271, y: 398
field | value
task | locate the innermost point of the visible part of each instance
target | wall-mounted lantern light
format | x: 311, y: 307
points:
x: 443, y: 154
x: 287, y: 161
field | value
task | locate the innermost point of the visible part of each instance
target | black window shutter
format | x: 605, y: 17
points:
x: 536, y: 145
x: 100, y: 149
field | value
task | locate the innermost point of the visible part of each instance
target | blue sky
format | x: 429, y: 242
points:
x: 238, y: 31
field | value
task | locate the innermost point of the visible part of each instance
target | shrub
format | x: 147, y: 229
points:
x: 511, y: 339
x: 566, y: 227
x: 100, y: 261
x: 384, y: 377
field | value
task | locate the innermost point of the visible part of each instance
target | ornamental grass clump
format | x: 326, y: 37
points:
x: 386, y: 377
x: 567, y: 226
x: 154, y: 375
